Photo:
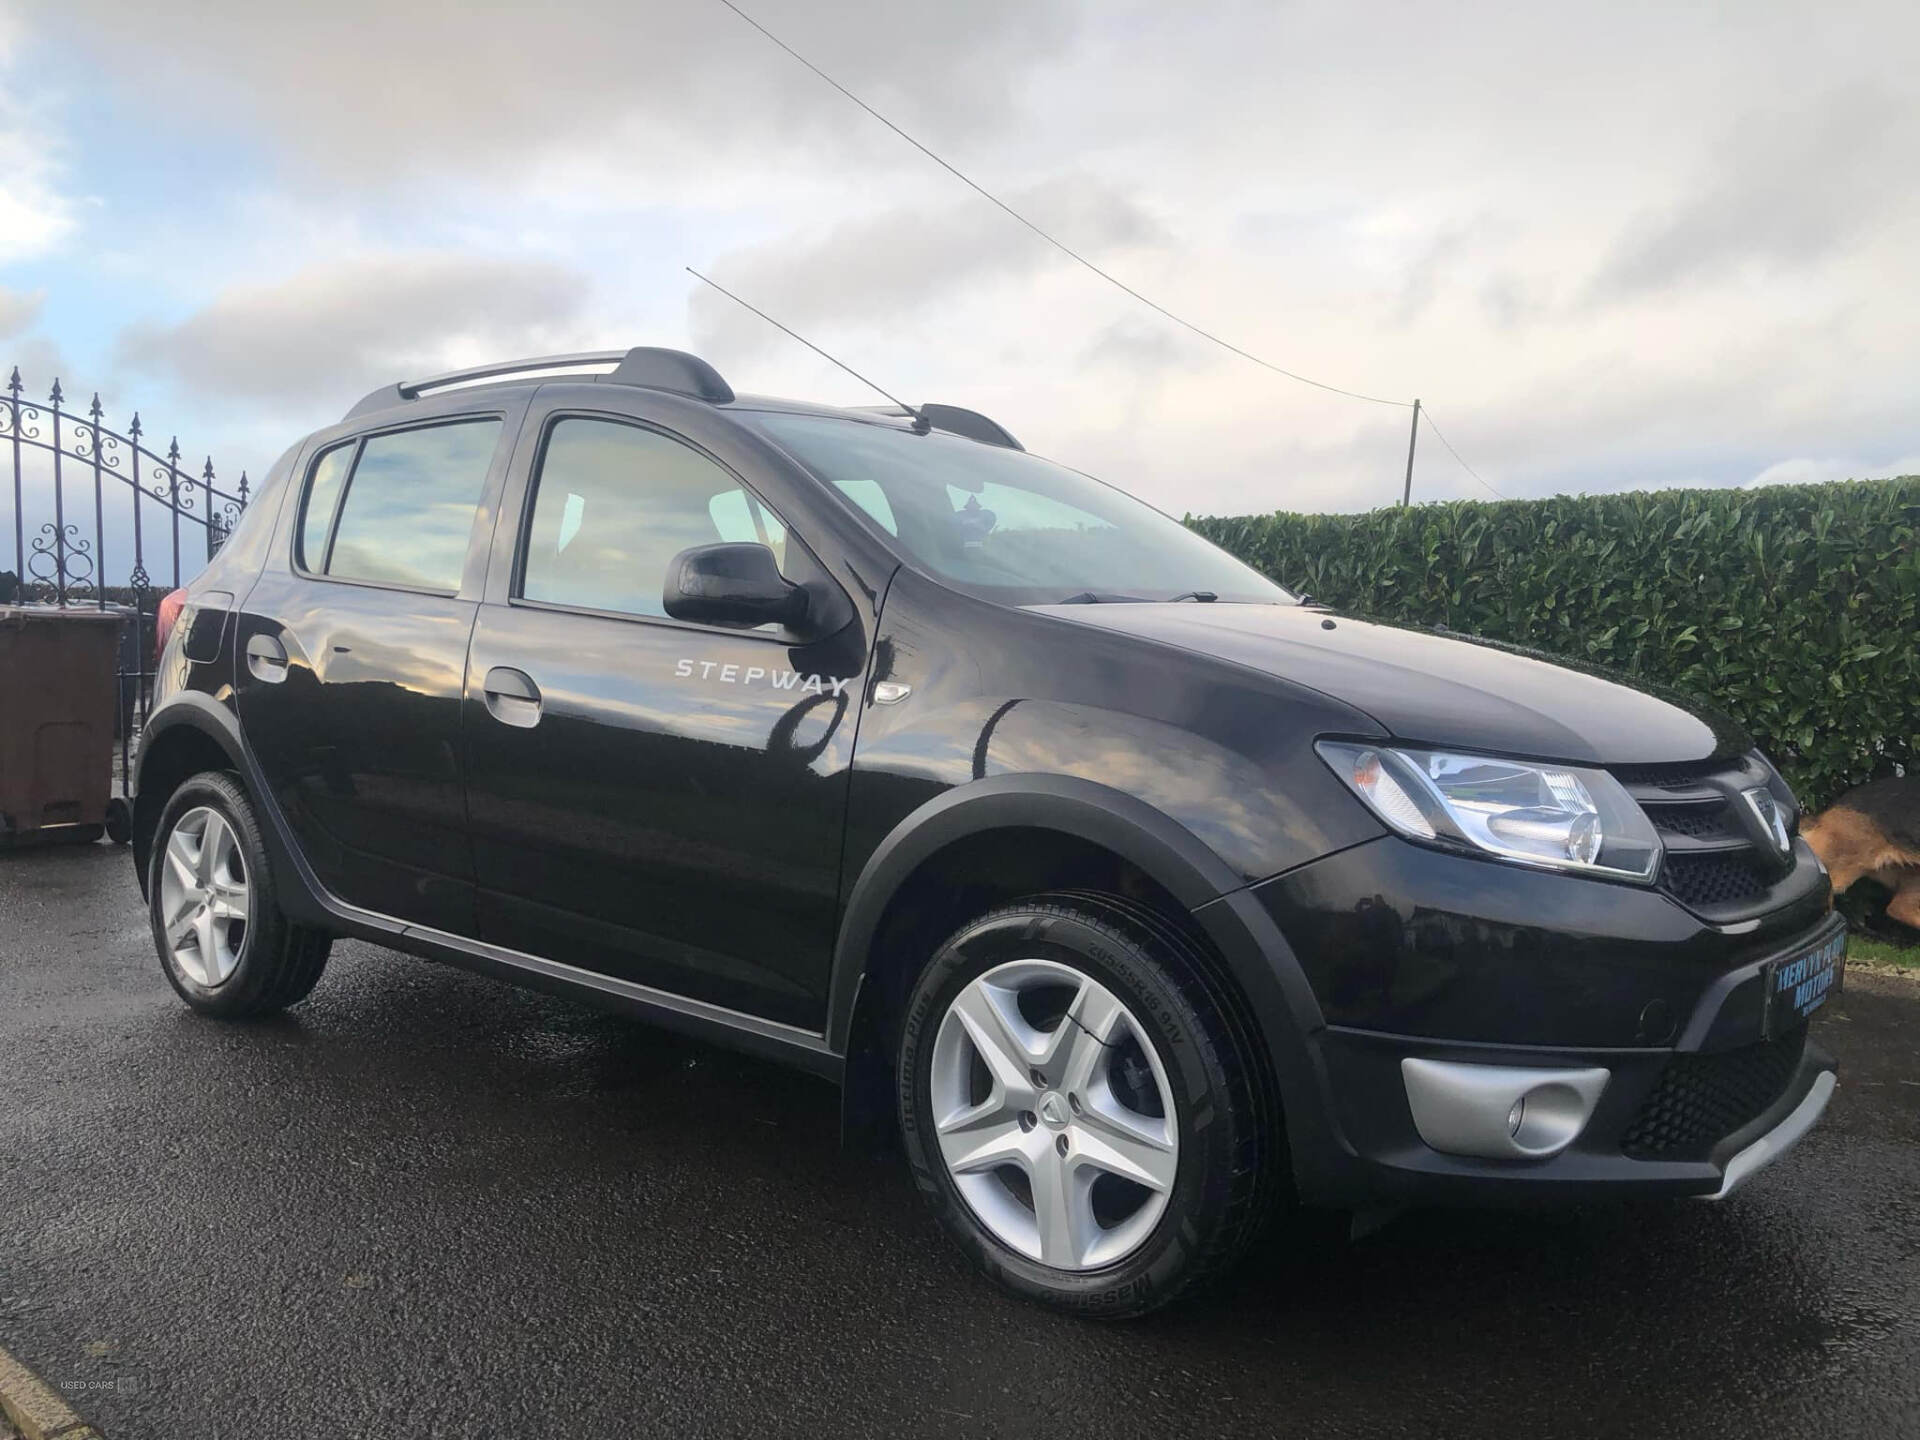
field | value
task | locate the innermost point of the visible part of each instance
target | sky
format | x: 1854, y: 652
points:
x: 1609, y: 247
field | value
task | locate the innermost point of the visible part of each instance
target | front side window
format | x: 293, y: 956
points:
x: 614, y: 504
x: 1010, y: 526
x: 407, y: 516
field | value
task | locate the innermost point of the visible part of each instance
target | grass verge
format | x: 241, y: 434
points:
x: 1880, y: 958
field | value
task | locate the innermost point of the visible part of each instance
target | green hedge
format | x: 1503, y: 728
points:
x: 1794, y: 608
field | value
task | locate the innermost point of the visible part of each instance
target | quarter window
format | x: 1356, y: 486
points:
x: 408, y: 514
x: 323, y: 498
x: 615, y: 503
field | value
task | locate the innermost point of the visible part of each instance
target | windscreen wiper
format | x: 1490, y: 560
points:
x: 1205, y: 597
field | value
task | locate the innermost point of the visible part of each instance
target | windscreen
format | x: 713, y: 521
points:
x: 1009, y: 526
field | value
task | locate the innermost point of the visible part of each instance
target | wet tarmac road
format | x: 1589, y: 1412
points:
x: 428, y: 1203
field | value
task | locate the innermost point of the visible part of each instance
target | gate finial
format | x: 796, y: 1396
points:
x: 56, y: 397
x: 14, y: 384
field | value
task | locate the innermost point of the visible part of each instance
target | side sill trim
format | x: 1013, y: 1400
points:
x: 1777, y: 1141
x: 661, y: 1004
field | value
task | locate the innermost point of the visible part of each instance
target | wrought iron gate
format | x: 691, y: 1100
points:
x: 86, y: 499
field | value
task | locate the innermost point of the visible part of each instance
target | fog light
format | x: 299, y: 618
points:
x: 1499, y: 1112
x: 1547, y: 1119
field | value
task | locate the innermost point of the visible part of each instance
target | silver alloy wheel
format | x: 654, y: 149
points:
x: 1030, y: 1120
x: 203, y: 896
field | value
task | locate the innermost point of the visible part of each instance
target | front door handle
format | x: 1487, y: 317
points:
x: 512, y: 698
x: 266, y: 659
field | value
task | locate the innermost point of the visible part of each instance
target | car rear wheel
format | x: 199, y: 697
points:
x: 226, y: 947
x: 1077, y: 1106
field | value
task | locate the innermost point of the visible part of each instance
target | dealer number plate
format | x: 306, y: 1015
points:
x: 1800, y: 984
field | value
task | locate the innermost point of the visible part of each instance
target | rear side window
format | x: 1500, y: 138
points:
x: 615, y: 503
x: 410, y: 502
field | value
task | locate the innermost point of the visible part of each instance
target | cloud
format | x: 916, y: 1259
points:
x: 34, y: 218
x: 1788, y: 190
x: 1146, y: 348
x: 1684, y: 253
x: 18, y: 310
x: 334, y: 330
x: 35, y: 214
x: 40, y: 362
x: 877, y: 267
x: 374, y: 90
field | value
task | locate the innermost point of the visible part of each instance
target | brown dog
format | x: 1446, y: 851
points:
x: 1874, y: 831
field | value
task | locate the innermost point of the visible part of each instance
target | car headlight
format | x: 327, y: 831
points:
x: 1559, y: 816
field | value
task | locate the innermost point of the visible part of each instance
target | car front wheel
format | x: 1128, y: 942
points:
x: 1078, y: 1107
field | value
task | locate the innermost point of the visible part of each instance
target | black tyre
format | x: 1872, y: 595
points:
x: 224, y: 943
x: 1132, y: 1160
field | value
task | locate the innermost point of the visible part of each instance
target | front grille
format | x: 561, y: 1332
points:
x: 1711, y: 882
x: 1665, y: 777
x: 1715, y: 863
x: 1708, y: 822
x: 1702, y: 1099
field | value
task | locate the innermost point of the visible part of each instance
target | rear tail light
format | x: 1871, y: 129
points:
x: 164, y: 618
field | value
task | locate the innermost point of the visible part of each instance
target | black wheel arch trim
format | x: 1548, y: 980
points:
x: 194, y: 711
x: 298, y: 889
x: 1256, y: 954
x: 1119, y: 822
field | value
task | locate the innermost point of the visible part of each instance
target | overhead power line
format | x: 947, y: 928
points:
x: 1082, y: 260
x: 1427, y: 412
x: 1059, y: 245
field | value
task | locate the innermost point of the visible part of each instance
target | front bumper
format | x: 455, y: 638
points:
x: 1476, y: 972
x: 1644, y: 1134
x: 1767, y: 1148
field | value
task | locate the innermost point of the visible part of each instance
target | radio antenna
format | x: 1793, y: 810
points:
x: 921, y: 425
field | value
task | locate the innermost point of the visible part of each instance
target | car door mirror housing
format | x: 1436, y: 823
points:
x: 733, y: 584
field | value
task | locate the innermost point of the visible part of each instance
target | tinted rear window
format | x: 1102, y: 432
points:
x: 409, y: 510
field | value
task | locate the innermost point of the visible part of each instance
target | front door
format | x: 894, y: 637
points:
x: 654, y: 800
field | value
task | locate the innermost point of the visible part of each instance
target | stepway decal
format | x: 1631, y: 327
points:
x: 757, y: 675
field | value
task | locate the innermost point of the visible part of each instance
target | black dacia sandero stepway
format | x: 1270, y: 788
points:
x: 1141, y: 894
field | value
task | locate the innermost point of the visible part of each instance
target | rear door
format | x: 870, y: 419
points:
x: 352, y: 656
x: 650, y: 799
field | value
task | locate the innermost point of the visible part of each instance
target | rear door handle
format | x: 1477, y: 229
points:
x: 267, y: 659
x: 512, y: 697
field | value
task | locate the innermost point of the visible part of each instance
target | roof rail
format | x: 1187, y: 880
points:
x: 969, y: 424
x: 673, y: 370
x: 972, y: 424
x: 643, y: 365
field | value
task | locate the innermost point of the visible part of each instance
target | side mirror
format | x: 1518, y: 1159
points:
x: 732, y: 584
